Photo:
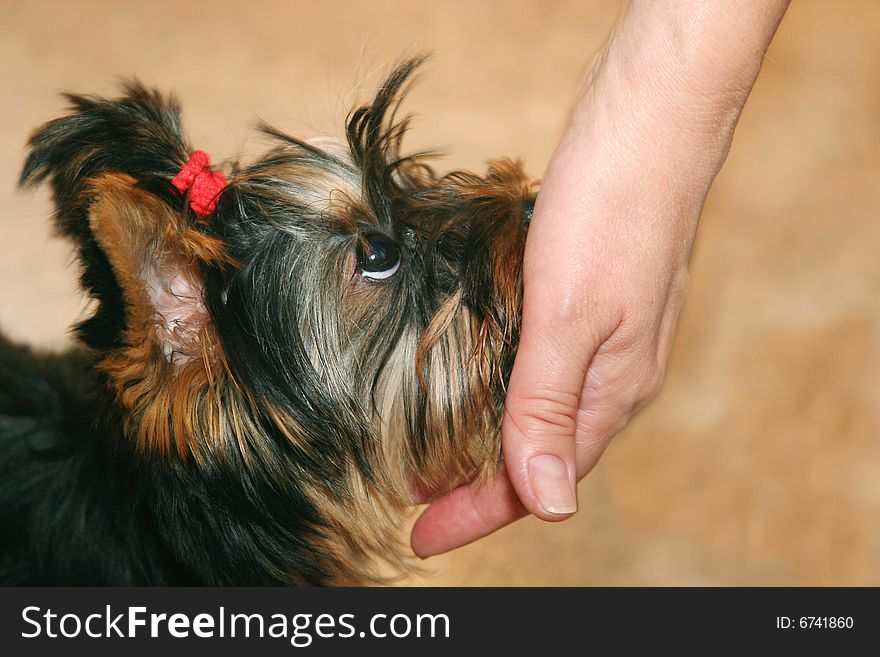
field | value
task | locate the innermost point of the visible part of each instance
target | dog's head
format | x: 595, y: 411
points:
x: 335, y: 332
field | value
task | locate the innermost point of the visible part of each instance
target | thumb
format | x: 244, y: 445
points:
x: 541, y: 414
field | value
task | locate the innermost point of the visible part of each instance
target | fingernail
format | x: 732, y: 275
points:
x: 551, y: 484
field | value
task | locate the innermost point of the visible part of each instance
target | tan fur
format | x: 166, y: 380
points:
x: 189, y: 406
x: 173, y: 402
x: 173, y: 380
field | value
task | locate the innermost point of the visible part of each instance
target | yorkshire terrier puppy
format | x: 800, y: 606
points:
x: 277, y: 356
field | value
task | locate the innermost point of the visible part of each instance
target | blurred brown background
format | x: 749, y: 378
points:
x: 760, y: 461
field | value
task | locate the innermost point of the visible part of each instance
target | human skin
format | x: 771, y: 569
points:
x: 605, y: 268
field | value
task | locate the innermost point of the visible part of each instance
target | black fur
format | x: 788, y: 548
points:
x: 82, y: 503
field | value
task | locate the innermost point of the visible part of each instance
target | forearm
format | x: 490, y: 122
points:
x: 605, y: 263
x: 674, y: 77
x: 655, y: 116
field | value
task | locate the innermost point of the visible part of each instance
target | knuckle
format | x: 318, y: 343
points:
x: 546, y: 414
x: 650, y: 386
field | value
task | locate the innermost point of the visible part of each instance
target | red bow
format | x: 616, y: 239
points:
x: 204, y: 184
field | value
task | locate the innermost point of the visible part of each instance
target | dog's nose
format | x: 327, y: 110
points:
x: 528, y: 206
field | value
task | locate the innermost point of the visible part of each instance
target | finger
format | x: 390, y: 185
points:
x: 465, y: 515
x: 596, y: 428
x: 564, y: 320
x: 541, y: 417
x: 538, y: 431
x: 623, y: 376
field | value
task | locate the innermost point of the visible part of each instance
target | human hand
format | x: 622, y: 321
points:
x: 605, y: 267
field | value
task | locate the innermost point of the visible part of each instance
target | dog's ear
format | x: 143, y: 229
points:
x: 115, y: 168
x: 157, y: 255
x: 111, y: 164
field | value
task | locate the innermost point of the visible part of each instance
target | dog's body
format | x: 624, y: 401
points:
x: 273, y: 364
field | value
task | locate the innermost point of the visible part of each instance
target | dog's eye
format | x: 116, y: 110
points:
x: 378, y: 256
